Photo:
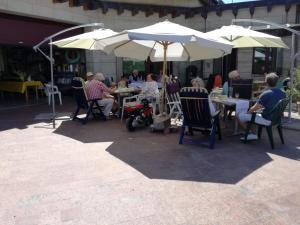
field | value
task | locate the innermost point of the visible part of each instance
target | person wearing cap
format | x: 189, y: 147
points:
x: 89, y: 77
x: 95, y: 89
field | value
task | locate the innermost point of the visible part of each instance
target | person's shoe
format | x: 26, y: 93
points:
x: 250, y: 137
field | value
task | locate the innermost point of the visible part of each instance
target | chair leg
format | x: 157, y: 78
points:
x: 100, y: 110
x: 212, y: 137
x: 247, y: 132
x: 88, y: 113
x: 181, y: 134
x: 122, y: 113
x: 219, y: 130
x: 270, y: 134
x: 59, y: 95
x: 260, y: 128
x: 279, y: 128
x: 49, y: 99
x: 76, y: 113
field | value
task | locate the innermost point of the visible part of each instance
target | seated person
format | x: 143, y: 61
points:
x: 198, y: 82
x: 135, y: 77
x: 233, y: 75
x: 123, y: 83
x: 95, y: 89
x: 150, y: 89
x: 218, y: 81
x: 89, y: 74
x: 160, y: 76
x: 267, y: 101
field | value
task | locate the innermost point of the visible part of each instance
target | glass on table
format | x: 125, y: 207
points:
x: 236, y: 95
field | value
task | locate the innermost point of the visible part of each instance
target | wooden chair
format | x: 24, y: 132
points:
x: 89, y: 106
x: 276, y: 115
x: 197, y: 116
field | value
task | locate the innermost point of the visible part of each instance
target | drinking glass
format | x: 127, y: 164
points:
x: 236, y: 95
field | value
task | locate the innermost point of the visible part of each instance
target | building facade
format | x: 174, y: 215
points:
x: 49, y: 16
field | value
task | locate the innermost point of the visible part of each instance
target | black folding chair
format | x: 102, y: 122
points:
x: 276, y: 116
x: 89, y: 106
x: 243, y: 87
x: 197, y: 116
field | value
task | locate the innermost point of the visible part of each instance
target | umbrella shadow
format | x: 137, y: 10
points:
x: 159, y: 156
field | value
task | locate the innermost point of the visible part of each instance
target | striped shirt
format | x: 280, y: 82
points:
x: 95, y: 89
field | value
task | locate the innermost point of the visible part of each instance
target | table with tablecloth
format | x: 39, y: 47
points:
x: 241, y: 106
x: 20, y: 87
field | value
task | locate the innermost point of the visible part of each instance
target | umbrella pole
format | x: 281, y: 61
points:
x: 52, y: 83
x: 163, y: 97
x: 292, y: 72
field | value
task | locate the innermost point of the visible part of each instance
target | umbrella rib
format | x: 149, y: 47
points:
x: 152, y: 49
x: 189, y: 57
x: 118, y: 46
x: 93, y: 42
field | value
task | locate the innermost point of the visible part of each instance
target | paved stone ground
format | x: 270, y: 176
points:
x: 101, y: 174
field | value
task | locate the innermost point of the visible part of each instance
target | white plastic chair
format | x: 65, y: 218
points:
x: 49, y: 93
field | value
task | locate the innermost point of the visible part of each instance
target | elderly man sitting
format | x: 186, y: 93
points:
x: 95, y: 90
x: 267, y: 101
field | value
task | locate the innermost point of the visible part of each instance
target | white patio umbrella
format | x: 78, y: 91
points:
x: 242, y: 37
x: 85, y: 40
x: 165, y: 41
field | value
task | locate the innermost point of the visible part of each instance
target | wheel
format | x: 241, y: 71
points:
x: 129, y: 125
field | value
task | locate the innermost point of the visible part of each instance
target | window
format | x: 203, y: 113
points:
x: 264, y: 60
x: 130, y: 64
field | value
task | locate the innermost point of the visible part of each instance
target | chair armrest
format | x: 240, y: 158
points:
x: 253, y: 115
x: 216, y: 114
x: 55, y: 88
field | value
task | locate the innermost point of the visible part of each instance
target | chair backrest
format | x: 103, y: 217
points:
x: 173, y: 89
x: 278, y: 110
x: 78, y: 86
x: 195, y: 107
x: 243, y: 87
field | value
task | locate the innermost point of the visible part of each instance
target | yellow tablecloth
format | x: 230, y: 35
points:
x: 20, y: 87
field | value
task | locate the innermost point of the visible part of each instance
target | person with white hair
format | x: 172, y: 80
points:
x: 95, y: 89
x: 198, y: 82
x: 233, y: 75
x: 266, y: 102
x: 135, y: 77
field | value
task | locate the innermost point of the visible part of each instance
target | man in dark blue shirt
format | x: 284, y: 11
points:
x: 267, y: 101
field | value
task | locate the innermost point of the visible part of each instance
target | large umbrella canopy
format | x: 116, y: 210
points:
x: 242, y: 37
x: 85, y: 40
x: 165, y: 41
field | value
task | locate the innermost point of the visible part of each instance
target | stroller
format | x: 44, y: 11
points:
x: 139, y: 115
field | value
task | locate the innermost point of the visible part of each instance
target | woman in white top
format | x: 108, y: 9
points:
x: 150, y: 89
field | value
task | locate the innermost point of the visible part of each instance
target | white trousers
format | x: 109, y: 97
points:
x: 107, y: 103
x: 246, y: 117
